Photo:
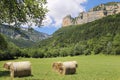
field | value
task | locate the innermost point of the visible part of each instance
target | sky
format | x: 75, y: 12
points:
x: 58, y: 9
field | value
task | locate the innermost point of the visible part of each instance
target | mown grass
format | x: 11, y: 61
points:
x: 89, y: 68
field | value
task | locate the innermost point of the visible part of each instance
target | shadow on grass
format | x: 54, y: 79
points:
x: 25, y: 76
x: 4, y: 73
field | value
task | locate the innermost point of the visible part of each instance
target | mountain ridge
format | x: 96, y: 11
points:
x: 93, y: 14
x: 20, y: 36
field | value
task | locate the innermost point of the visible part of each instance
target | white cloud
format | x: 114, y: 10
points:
x: 58, y: 9
x: 47, y: 21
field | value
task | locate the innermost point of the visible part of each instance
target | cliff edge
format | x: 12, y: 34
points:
x: 93, y: 14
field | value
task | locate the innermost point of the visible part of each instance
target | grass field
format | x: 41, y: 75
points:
x: 89, y: 68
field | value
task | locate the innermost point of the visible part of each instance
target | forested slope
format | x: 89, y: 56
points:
x: 100, y: 36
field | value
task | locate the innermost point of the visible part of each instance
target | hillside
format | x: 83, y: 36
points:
x: 7, y: 49
x: 100, y: 36
x: 22, y: 37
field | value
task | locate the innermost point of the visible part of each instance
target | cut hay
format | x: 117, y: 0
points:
x: 68, y: 67
x: 75, y: 62
x: 56, y: 65
x: 7, y: 65
x: 20, y: 69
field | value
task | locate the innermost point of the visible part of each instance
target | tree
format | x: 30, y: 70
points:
x: 3, y: 43
x: 80, y: 48
x: 22, y: 11
x: 116, y: 44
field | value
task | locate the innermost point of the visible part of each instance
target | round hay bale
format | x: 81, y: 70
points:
x: 19, y: 69
x: 75, y: 62
x: 67, y: 68
x: 7, y: 65
x: 56, y: 65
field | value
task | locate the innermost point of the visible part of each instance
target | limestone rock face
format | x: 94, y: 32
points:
x: 67, y: 21
x: 93, y: 14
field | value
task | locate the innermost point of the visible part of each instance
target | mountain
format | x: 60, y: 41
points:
x: 22, y: 37
x: 93, y: 14
x: 98, y: 37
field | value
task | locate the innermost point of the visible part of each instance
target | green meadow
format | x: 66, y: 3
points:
x: 96, y: 67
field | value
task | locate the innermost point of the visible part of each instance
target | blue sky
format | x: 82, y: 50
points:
x: 58, y: 10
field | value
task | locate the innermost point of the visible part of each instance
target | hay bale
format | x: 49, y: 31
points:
x: 67, y: 68
x: 75, y: 62
x: 20, y: 69
x: 56, y: 65
x: 7, y: 65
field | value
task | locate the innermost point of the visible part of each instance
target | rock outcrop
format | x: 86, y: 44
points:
x: 93, y: 14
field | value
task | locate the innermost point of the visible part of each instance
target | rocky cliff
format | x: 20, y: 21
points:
x: 95, y: 13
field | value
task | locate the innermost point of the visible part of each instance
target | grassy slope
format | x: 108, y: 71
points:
x: 90, y: 68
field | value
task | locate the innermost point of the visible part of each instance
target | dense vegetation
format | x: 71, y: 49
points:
x: 98, y: 37
x: 9, y: 50
x: 22, y: 11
